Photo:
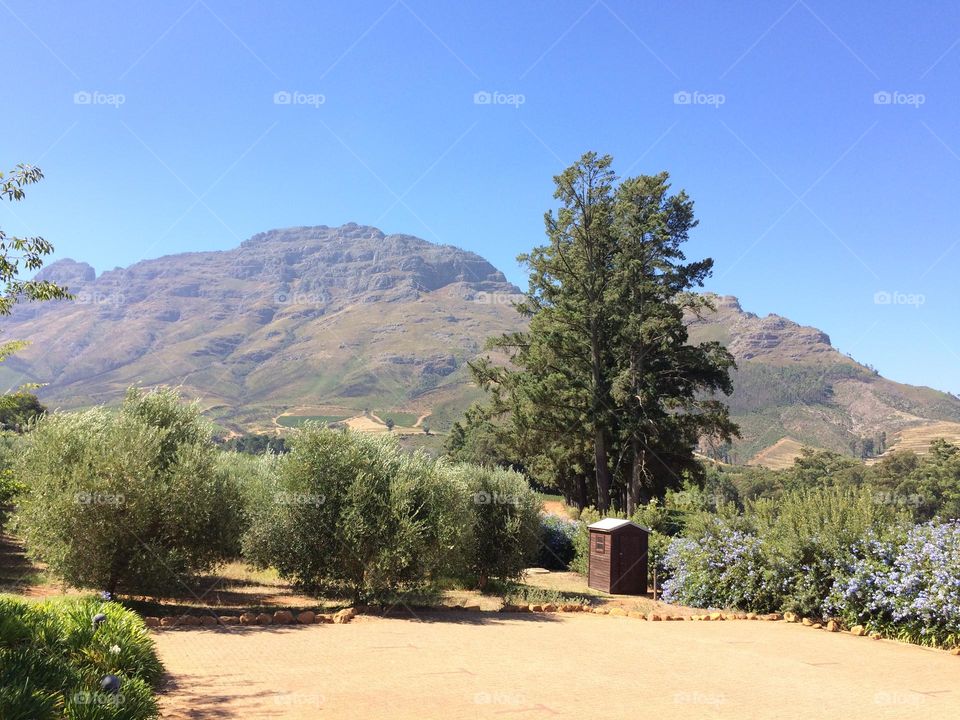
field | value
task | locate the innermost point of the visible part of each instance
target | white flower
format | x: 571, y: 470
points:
x: 115, y: 649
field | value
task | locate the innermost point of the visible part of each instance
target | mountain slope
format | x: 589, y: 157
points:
x: 334, y: 322
x: 321, y: 321
x: 792, y: 383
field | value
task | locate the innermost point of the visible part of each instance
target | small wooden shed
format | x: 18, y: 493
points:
x: 618, y: 557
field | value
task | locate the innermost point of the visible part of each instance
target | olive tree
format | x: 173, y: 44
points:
x: 354, y: 512
x: 503, y: 533
x: 131, y: 500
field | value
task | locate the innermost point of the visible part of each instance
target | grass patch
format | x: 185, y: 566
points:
x: 545, y: 497
x: 514, y: 593
x: 402, y: 419
x: 295, y: 421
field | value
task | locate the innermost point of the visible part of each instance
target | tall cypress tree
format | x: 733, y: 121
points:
x: 603, y: 383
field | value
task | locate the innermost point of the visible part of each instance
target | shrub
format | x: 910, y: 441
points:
x: 10, y: 487
x: 503, y: 532
x: 807, y: 536
x: 907, y: 587
x: 581, y: 539
x: 782, y: 555
x: 514, y: 593
x: 129, y: 500
x: 348, y: 511
x: 722, y: 565
x: 556, y: 542
x: 52, y: 660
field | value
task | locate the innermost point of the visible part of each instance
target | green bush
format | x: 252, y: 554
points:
x: 10, y: 486
x: 52, y: 660
x: 503, y: 534
x: 807, y: 535
x: 130, y: 500
x: 581, y: 539
x: 349, y: 511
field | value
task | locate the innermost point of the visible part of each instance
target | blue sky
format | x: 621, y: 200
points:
x: 162, y: 128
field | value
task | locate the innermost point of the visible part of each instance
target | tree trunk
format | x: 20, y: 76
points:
x: 636, y: 476
x: 603, y: 471
x: 600, y: 459
x: 581, y: 492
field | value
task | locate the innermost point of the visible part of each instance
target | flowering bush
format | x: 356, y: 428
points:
x: 908, y: 587
x: 556, y: 542
x: 723, y: 566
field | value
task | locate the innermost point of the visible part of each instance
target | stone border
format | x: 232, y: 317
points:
x: 342, y: 617
x: 280, y: 617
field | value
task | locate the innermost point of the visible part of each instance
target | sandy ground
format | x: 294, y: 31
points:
x: 555, y: 507
x: 469, y: 665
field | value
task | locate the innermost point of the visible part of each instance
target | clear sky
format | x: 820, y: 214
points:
x: 191, y: 125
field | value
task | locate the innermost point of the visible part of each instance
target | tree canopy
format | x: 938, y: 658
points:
x: 603, y: 396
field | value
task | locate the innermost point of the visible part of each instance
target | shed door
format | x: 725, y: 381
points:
x: 631, y: 565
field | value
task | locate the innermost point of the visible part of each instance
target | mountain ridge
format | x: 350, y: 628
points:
x: 335, y: 322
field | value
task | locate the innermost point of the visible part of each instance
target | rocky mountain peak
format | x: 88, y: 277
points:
x: 68, y: 272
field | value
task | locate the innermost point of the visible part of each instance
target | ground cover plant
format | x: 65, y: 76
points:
x: 75, y: 658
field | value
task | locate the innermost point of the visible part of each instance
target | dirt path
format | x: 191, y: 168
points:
x: 555, y: 507
x: 420, y: 419
x: 469, y: 665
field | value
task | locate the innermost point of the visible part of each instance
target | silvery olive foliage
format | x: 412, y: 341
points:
x: 131, y: 499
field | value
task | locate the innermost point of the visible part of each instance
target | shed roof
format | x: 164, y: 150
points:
x: 610, y: 524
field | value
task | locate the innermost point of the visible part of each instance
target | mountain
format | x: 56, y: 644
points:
x: 348, y: 324
x: 794, y: 389
x: 306, y: 322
